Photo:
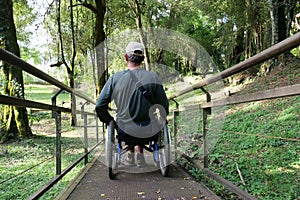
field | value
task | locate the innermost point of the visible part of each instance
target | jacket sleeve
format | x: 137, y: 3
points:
x: 102, y: 102
x: 161, y: 97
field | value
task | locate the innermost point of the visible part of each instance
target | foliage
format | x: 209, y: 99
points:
x: 24, y: 17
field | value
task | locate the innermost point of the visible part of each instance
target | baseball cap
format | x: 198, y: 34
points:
x: 135, y: 48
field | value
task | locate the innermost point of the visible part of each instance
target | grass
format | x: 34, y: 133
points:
x: 261, y: 139
x: 254, y: 138
x: 44, y: 93
x: 27, y: 165
x: 34, y: 161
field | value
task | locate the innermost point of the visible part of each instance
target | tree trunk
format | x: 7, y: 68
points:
x: 100, y: 38
x: 281, y: 13
x: 70, y: 67
x: 73, y: 119
x: 238, y: 49
x: 138, y: 20
x: 15, y: 119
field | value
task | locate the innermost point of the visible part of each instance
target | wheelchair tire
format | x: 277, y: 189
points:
x: 110, y: 150
x: 165, y: 151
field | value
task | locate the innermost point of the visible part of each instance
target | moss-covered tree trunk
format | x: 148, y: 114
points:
x: 14, y: 119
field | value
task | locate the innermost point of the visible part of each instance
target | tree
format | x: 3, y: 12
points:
x: 83, y: 28
x: 70, y: 66
x: 282, y: 15
x: 99, y: 10
x: 14, y: 119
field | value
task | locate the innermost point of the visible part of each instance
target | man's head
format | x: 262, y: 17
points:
x: 134, y: 52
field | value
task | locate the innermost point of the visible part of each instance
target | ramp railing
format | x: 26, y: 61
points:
x: 57, y: 111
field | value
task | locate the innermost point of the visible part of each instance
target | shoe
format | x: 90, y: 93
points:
x: 140, y: 160
x: 129, y: 160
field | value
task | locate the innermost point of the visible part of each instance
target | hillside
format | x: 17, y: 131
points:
x: 285, y: 73
x: 258, y: 147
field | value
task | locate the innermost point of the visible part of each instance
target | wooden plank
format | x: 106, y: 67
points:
x: 287, y: 91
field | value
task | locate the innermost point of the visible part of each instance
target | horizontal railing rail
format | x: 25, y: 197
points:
x: 265, y: 55
x: 23, y: 65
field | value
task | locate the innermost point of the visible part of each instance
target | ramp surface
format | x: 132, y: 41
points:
x: 134, y: 183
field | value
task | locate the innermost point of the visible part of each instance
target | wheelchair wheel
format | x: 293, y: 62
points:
x: 165, y: 151
x: 110, y: 150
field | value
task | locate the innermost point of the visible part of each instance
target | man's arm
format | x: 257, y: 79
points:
x: 102, y: 102
x: 161, y: 98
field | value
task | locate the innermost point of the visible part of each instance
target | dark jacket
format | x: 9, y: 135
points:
x: 130, y: 102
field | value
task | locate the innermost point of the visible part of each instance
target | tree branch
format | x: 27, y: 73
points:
x: 241, y: 176
x: 86, y: 5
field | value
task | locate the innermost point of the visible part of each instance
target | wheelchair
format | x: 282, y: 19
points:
x: 159, y: 145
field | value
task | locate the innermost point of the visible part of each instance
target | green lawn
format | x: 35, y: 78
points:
x: 44, y: 93
x: 27, y: 165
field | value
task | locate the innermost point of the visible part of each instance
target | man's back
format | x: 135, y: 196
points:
x: 131, y: 104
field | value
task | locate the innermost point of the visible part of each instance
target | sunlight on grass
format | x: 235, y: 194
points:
x: 44, y: 93
x: 256, y: 137
x: 279, y: 170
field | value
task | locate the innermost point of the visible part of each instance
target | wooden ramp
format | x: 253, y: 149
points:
x: 136, y: 183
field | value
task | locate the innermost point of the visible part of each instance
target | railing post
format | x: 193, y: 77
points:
x: 205, y: 113
x: 53, y: 100
x: 97, y: 129
x: 175, y: 114
x: 58, y: 141
x: 73, y: 108
x: 86, y: 145
x: 103, y: 130
x: 204, y: 130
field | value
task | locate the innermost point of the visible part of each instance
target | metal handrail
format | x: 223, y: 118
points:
x: 265, y: 55
x: 16, y: 61
x: 57, y: 110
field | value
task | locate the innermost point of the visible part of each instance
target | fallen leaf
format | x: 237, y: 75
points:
x: 141, y: 193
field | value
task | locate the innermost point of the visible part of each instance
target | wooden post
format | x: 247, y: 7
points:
x: 204, y: 131
x: 175, y: 113
x: 97, y: 129
x: 86, y: 145
x: 85, y: 134
x: 58, y: 141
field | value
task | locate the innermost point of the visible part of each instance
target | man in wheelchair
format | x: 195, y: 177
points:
x: 137, y: 94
